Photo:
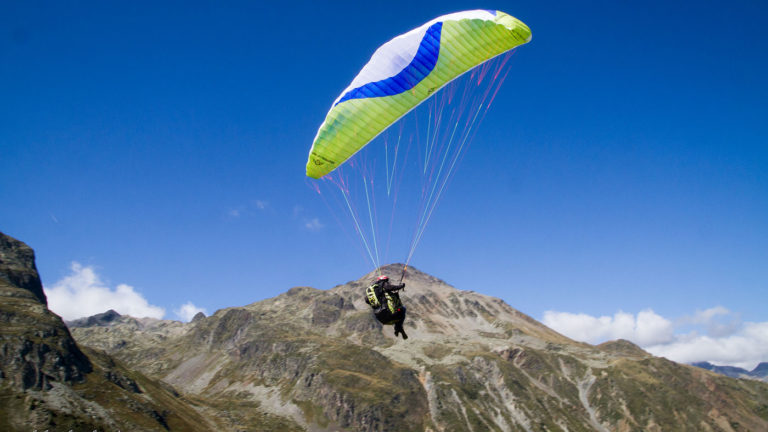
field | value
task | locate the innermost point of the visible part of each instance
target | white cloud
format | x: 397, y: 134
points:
x: 716, y: 335
x: 251, y: 209
x: 309, y: 223
x: 644, y: 329
x: 705, y: 316
x: 313, y: 224
x: 187, y: 311
x: 719, y: 321
x: 82, y: 294
x: 746, y: 347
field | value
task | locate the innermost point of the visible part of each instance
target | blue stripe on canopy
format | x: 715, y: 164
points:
x: 421, y: 65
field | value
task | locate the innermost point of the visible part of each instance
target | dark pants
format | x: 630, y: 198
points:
x: 386, y: 317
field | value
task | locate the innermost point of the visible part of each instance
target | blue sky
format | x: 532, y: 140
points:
x: 622, y: 167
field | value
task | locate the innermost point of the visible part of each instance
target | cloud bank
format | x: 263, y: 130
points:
x: 82, y: 293
x: 646, y: 328
x: 716, y: 335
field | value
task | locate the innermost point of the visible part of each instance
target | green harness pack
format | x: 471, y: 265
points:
x: 393, y: 301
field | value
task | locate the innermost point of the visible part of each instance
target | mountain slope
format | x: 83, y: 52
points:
x: 319, y: 360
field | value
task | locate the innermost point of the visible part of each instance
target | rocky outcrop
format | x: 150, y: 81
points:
x: 17, y: 269
x: 36, y: 348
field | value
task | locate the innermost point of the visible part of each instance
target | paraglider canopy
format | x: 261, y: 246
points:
x: 403, y: 73
x: 405, y: 177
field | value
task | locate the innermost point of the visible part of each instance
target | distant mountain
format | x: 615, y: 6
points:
x: 759, y: 373
x: 317, y: 360
x: 761, y: 370
x: 98, y: 320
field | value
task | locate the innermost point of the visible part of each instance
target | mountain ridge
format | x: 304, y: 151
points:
x: 760, y: 372
x: 319, y: 360
x: 316, y: 360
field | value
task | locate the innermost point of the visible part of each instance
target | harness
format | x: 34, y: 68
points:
x: 375, y: 294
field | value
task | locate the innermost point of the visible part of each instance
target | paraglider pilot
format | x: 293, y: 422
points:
x: 382, y: 296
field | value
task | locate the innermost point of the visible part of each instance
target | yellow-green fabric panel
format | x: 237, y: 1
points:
x: 464, y: 44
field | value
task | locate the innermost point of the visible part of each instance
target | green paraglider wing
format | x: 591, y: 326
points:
x: 406, y: 71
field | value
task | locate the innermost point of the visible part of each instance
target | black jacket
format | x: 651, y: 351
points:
x: 387, y: 286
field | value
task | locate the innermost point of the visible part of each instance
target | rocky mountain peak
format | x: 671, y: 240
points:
x: 98, y: 320
x: 36, y: 348
x: 623, y: 347
x: 412, y: 276
x: 17, y: 267
x: 761, y: 370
